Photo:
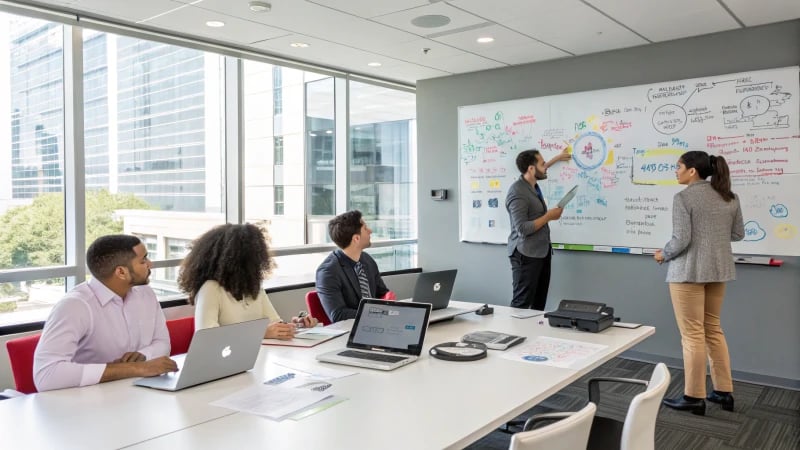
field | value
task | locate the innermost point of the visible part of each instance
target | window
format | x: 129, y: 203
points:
x: 274, y: 187
x: 176, y: 249
x: 153, y: 114
x: 278, y: 191
x: 277, y: 91
x: 32, y: 216
x: 154, y: 155
x: 383, y: 159
x: 277, y: 146
x: 30, y: 300
x: 320, y: 158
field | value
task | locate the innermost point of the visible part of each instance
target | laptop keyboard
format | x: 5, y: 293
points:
x: 372, y: 356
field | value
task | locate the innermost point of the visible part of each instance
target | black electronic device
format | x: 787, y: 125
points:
x: 493, y: 339
x: 582, y: 315
x: 484, y: 310
x: 458, y: 351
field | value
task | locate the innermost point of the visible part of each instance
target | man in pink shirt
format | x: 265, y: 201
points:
x: 110, y: 327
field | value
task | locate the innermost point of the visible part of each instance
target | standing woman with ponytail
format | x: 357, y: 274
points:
x: 706, y: 217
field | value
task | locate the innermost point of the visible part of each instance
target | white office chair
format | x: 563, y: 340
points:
x: 571, y: 432
x: 638, y: 430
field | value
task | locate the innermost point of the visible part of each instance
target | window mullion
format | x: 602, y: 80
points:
x: 74, y: 157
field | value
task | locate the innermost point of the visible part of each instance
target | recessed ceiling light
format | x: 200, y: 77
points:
x: 374, y: 64
x: 260, y: 7
x: 430, y: 21
x: 485, y: 39
x: 328, y: 131
x: 215, y: 23
x: 299, y: 44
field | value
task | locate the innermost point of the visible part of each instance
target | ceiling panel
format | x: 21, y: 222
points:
x: 576, y: 28
x: 193, y: 21
x: 347, y: 34
x: 458, y: 19
x: 764, y: 11
x: 659, y: 22
x: 128, y: 11
x: 465, y: 62
x: 508, y: 46
x: 413, y: 51
x: 329, y: 53
x: 316, y: 21
x: 370, y: 8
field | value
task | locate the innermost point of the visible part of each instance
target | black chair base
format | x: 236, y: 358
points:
x: 606, y: 434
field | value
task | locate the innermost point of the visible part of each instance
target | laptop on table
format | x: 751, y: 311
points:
x: 385, y: 335
x: 213, y: 354
x: 435, y: 288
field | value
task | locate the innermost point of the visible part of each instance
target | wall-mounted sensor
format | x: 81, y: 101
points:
x: 439, y: 194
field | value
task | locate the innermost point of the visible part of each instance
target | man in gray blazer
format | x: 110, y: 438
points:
x: 348, y: 274
x: 529, y: 247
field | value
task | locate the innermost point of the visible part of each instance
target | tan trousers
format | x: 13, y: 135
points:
x: 697, y: 309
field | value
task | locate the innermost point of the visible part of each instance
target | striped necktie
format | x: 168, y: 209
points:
x: 362, y: 280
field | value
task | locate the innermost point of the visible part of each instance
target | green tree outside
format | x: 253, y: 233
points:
x: 33, y: 235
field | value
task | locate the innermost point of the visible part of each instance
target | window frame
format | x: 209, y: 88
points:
x: 74, y: 173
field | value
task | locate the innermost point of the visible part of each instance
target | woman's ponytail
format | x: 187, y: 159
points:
x: 721, y: 177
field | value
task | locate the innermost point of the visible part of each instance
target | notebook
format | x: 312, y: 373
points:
x: 385, y: 335
x: 213, y: 354
x: 435, y: 288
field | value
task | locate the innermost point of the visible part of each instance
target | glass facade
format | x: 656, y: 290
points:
x: 154, y: 157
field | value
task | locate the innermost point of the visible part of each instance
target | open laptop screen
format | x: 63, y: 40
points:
x: 392, y: 326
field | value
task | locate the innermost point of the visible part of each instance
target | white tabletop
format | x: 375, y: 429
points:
x: 428, y: 404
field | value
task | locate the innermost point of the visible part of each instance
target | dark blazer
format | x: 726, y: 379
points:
x: 524, y: 206
x: 338, y: 288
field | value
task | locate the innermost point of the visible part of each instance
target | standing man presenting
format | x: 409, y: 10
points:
x: 348, y: 274
x: 106, y: 329
x: 529, y: 247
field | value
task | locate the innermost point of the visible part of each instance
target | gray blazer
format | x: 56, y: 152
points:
x: 703, y: 226
x: 524, y: 206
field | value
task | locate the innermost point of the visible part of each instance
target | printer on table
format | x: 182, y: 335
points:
x: 586, y: 316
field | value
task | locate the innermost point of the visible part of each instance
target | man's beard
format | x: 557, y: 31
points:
x: 539, y: 175
x: 139, y: 281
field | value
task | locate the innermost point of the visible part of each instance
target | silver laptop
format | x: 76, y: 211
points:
x: 214, y: 353
x: 435, y: 288
x: 385, y: 335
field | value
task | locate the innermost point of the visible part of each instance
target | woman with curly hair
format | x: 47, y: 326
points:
x: 222, y: 275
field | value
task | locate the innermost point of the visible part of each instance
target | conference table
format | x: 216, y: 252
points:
x: 429, y: 404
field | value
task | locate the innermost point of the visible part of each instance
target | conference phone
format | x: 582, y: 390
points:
x: 581, y: 315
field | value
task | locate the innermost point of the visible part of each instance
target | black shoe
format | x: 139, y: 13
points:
x: 723, y: 398
x: 696, y: 406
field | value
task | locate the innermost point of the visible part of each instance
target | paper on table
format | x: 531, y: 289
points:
x: 553, y: 352
x: 526, y: 313
x: 319, y: 333
x: 273, y: 402
x: 314, y: 371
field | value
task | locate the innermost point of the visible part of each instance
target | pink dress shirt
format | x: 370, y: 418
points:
x: 92, y: 326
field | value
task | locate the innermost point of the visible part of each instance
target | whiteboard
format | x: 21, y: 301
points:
x: 626, y: 142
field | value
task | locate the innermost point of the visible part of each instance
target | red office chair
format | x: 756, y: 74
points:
x: 317, y: 311
x: 315, y: 308
x: 20, y: 355
x: 181, y: 332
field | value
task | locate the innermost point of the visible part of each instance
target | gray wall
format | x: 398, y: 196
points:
x: 762, y: 307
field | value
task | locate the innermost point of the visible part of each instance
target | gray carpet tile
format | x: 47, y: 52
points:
x: 764, y: 418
